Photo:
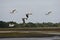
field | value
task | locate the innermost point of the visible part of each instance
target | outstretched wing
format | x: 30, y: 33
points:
x: 27, y: 15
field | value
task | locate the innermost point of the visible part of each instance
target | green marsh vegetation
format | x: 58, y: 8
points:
x: 28, y: 25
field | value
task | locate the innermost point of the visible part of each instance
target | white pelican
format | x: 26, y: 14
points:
x: 49, y: 12
x: 13, y: 11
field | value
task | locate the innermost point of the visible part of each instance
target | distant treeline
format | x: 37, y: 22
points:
x: 30, y: 24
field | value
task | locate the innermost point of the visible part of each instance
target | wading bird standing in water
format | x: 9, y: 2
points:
x: 49, y: 12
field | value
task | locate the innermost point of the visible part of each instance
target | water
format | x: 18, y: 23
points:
x: 41, y: 38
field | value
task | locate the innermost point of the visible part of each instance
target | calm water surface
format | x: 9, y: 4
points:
x: 43, y: 38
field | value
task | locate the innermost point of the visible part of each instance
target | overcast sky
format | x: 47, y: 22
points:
x: 38, y: 8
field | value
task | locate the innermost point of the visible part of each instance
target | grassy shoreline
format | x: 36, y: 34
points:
x: 19, y: 35
x: 31, y: 29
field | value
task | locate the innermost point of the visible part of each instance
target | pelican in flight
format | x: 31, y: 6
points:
x: 48, y: 13
x: 13, y: 11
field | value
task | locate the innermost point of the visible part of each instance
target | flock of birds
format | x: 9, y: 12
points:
x: 27, y: 15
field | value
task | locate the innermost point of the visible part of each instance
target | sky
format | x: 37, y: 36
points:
x: 38, y: 8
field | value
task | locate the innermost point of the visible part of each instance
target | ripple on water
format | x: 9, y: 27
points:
x: 42, y: 38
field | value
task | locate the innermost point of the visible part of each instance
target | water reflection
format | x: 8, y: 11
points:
x: 42, y: 38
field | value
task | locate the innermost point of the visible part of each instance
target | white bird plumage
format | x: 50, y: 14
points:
x: 13, y: 11
x: 49, y: 12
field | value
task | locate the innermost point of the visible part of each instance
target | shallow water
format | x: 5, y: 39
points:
x: 41, y: 38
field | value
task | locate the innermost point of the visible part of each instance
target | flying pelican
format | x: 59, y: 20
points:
x: 13, y: 11
x: 48, y: 13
